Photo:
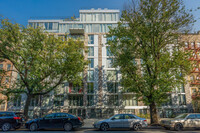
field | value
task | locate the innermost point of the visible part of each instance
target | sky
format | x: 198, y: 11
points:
x: 22, y: 10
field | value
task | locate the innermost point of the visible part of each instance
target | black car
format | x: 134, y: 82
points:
x: 55, y: 120
x: 9, y: 120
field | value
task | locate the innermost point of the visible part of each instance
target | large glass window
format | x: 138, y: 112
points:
x: 112, y: 100
x: 59, y: 100
x: 90, y: 39
x: 89, y: 17
x: 90, y: 99
x: 182, y: 99
x: 75, y: 100
x: 111, y: 75
x: 90, y: 51
x: 182, y: 89
x: 91, y: 64
x: 110, y: 62
x: 90, y: 87
x: 90, y: 75
x: 34, y: 101
x: 129, y: 100
x: 108, y: 52
x: 112, y: 87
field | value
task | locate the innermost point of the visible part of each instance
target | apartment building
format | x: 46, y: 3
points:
x: 101, y: 94
x: 5, y: 80
x: 192, y: 44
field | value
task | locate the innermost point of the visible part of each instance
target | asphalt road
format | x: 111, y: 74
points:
x: 112, y: 131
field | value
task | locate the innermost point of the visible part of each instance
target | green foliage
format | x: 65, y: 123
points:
x: 41, y: 60
x: 146, y: 116
x: 150, y: 32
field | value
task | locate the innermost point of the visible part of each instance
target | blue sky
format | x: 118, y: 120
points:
x: 21, y: 10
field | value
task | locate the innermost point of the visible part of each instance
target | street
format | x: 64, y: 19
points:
x: 111, y: 131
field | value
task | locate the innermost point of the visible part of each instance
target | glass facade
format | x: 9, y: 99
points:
x: 90, y: 51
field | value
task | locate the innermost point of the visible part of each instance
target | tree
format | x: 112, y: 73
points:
x: 41, y: 60
x: 149, y: 33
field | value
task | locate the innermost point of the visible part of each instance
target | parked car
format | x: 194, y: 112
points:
x: 121, y: 121
x: 186, y: 120
x: 9, y: 120
x: 55, y: 120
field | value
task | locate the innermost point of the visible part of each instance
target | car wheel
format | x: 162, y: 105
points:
x: 104, y: 127
x: 178, y: 127
x: 6, y: 127
x: 33, y: 127
x: 68, y: 127
x: 136, y: 127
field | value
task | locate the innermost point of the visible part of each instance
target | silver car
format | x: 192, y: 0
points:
x: 121, y: 121
x: 186, y: 120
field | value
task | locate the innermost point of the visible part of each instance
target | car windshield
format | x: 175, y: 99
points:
x: 181, y: 116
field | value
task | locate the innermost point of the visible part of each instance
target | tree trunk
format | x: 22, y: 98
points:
x: 153, y: 113
x: 26, y: 107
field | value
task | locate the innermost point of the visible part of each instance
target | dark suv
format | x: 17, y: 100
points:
x: 55, y: 120
x: 9, y: 120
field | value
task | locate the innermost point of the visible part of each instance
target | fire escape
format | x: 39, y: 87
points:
x: 195, y: 59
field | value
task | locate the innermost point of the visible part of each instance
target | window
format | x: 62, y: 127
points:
x: 128, y: 116
x: 8, y: 67
x: 129, y: 100
x: 6, y: 114
x: 192, y: 45
x: 111, y: 75
x: 90, y: 75
x: 75, y: 100
x: 192, y: 116
x: 108, y: 39
x: 50, y: 26
x: 90, y: 87
x: 59, y: 100
x: 17, y: 101
x: 7, y: 79
x: 117, y: 117
x: 50, y: 116
x: 34, y: 101
x: 90, y: 99
x: 75, y: 88
x: 182, y: 89
x: 91, y: 64
x: 1, y: 66
x: 186, y: 45
x: 61, y: 115
x: 108, y: 51
x: 46, y: 101
x: 182, y: 99
x: 169, y: 102
x: 90, y: 39
x: 110, y: 62
x: 198, y: 116
x: 90, y: 51
x: 112, y: 100
x: 112, y: 87
x: 198, y: 44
